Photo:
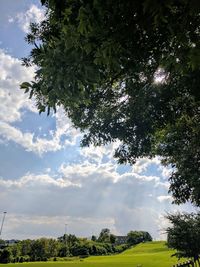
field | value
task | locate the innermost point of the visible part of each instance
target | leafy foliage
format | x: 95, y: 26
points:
x: 104, y: 235
x: 66, y: 246
x: 102, y: 60
x: 184, y: 235
x: 43, y: 249
x: 5, y: 255
x: 136, y: 237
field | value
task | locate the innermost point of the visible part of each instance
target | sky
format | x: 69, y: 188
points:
x: 46, y: 179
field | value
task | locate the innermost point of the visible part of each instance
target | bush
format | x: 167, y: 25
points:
x: 100, y: 250
x: 120, y: 248
x: 109, y: 248
x: 79, y: 250
x: 21, y: 259
x: 5, y: 256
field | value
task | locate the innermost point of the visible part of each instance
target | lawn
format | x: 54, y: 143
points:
x: 152, y: 254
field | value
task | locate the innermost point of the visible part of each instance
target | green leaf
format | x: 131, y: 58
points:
x: 25, y: 85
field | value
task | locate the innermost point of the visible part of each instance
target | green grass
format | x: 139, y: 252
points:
x: 152, y: 254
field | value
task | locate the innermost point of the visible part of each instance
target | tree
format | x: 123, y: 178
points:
x: 5, y: 255
x: 147, y: 236
x: 64, y: 249
x: 184, y: 235
x: 25, y: 247
x: 71, y: 240
x: 15, y: 250
x: 39, y: 249
x: 104, y: 236
x: 2, y: 243
x: 101, y: 61
x: 94, y: 238
x: 136, y: 237
x: 112, y: 239
x: 52, y: 248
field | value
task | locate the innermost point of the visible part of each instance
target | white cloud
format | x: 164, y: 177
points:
x: 84, y: 171
x: 22, y: 226
x: 166, y: 172
x: 31, y: 180
x: 96, y: 154
x: 65, y: 127
x: 33, y: 14
x: 91, y: 196
x: 40, y: 145
x: 32, y: 143
x: 142, y: 164
x: 163, y: 224
x: 164, y: 198
x: 163, y: 184
x: 12, y: 99
x: 48, y: 170
x: 147, y: 178
x: 10, y: 20
x: 108, y: 170
x: 138, y: 218
x: 14, y: 103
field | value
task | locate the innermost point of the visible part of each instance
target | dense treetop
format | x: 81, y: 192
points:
x: 125, y: 71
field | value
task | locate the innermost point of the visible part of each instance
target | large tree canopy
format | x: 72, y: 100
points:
x: 128, y: 71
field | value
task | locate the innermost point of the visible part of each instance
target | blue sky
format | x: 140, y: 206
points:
x: 46, y: 179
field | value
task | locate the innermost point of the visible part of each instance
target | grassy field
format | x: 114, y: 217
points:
x: 152, y: 254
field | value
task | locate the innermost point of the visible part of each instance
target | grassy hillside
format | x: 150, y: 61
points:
x: 152, y: 254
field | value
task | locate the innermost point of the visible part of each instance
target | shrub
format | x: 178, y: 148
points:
x: 120, y: 248
x: 5, y: 256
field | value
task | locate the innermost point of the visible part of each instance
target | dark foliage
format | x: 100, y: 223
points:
x: 184, y: 235
x: 100, y: 60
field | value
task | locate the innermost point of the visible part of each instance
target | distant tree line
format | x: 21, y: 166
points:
x: 44, y: 249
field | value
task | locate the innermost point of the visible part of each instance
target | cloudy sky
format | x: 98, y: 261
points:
x: 46, y: 179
